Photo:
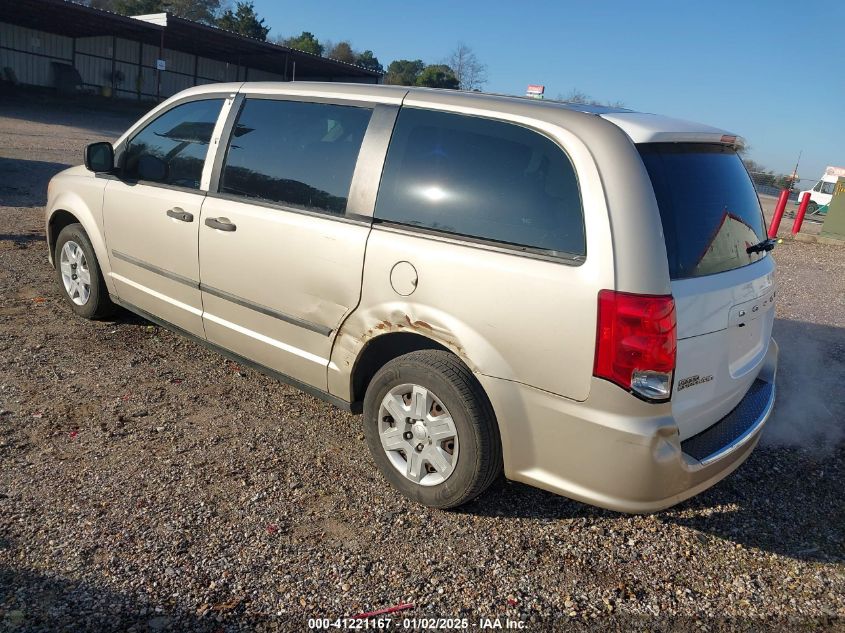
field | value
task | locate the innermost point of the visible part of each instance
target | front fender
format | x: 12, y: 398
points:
x: 81, y: 195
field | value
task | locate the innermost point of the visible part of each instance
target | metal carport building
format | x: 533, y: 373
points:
x: 143, y: 57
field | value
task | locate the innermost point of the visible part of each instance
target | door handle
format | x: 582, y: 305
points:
x: 181, y: 215
x: 221, y: 224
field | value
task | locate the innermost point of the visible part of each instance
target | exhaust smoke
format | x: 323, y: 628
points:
x: 810, y: 407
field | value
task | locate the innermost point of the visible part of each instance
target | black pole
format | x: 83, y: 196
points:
x: 158, y: 72
x: 113, y: 65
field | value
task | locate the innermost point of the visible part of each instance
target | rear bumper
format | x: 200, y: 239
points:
x: 731, y: 432
x: 617, y: 452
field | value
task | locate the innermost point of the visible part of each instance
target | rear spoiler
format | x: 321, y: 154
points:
x: 654, y: 128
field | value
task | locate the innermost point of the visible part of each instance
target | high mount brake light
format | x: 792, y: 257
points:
x: 636, y: 341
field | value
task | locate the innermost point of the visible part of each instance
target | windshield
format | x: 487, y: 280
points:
x: 708, y: 207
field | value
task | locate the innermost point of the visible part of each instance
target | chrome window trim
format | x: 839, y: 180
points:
x: 275, y: 206
x: 479, y: 243
x: 150, y: 183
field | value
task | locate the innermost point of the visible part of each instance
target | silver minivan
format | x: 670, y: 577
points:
x: 579, y: 297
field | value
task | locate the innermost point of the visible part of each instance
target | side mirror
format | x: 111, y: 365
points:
x: 99, y: 157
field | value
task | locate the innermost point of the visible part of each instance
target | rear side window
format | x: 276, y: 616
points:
x: 297, y: 154
x: 482, y: 179
x: 171, y: 150
x: 708, y: 207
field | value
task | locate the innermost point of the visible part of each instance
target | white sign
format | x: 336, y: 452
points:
x: 160, y: 64
x: 835, y: 171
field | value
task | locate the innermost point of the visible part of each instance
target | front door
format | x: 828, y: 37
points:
x: 280, y: 257
x: 151, y: 214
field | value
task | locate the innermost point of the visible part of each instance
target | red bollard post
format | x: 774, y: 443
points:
x: 780, y: 207
x: 802, y: 209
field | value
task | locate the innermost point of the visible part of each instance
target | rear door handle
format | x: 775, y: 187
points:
x: 221, y: 224
x: 180, y: 215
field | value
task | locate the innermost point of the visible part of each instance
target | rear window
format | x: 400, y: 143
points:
x: 708, y: 207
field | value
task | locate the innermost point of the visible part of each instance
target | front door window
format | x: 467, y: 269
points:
x: 172, y: 149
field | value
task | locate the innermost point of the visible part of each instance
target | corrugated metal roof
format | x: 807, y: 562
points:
x: 77, y: 20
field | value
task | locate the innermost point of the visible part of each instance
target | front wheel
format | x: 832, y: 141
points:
x: 79, y: 275
x: 812, y: 208
x: 431, y: 429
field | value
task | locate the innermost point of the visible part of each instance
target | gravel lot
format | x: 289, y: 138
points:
x: 147, y: 484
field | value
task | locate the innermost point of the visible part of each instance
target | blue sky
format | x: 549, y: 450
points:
x: 765, y: 70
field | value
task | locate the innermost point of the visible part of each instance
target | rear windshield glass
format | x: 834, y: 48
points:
x: 708, y: 206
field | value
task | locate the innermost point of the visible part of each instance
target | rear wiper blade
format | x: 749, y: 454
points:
x: 765, y: 245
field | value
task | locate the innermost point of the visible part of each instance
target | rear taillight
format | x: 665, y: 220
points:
x: 636, y: 342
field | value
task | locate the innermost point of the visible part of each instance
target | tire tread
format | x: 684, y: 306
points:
x: 488, y: 458
x: 104, y: 306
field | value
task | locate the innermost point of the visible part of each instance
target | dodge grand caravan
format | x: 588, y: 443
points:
x: 580, y: 297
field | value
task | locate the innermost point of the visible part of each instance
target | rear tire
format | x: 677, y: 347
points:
x: 79, y: 276
x: 428, y: 406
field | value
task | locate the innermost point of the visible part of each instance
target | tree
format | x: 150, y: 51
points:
x: 369, y: 61
x: 128, y: 7
x: 342, y: 52
x: 306, y: 42
x: 582, y: 98
x: 753, y: 166
x: 204, y: 11
x: 470, y: 73
x: 404, y: 72
x: 766, y: 177
x: 245, y: 21
x: 575, y: 96
x: 438, y: 76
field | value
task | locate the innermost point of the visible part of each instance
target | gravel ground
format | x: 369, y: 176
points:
x: 147, y: 484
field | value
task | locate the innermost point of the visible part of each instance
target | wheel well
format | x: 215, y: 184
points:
x: 380, y: 350
x: 59, y: 220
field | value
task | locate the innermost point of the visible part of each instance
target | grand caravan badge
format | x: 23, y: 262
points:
x: 692, y: 381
